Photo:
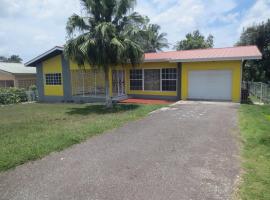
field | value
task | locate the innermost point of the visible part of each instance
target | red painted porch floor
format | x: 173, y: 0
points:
x: 146, y: 101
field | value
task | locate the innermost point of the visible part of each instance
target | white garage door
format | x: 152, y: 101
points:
x: 210, y: 84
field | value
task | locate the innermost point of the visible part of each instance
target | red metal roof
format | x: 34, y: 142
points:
x: 213, y: 54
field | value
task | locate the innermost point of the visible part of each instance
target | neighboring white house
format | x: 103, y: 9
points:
x: 17, y: 75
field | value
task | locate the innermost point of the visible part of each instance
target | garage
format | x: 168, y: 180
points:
x: 210, y: 85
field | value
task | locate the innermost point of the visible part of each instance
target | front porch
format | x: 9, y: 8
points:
x: 153, y: 83
x: 88, y: 85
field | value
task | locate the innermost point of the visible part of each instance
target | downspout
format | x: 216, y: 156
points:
x: 241, y: 77
x: 179, y: 81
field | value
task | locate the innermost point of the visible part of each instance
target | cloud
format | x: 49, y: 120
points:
x: 224, y: 20
x: 259, y: 12
x: 31, y: 27
x: 8, y: 8
x: 186, y: 16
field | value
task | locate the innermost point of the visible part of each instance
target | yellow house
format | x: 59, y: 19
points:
x: 204, y: 74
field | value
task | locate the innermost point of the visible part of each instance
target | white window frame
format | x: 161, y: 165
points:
x: 161, y: 79
x: 165, y: 79
x: 142, y: 79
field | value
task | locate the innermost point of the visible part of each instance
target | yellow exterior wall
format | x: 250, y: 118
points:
x: 234, y: 66
x: 53, y: 65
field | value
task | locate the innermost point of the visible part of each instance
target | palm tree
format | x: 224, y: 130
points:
x: 153, y: 40
x: 108, y: 35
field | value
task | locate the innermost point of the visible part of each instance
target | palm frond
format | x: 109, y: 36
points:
x: 123, y: 7
x: 75, y: 22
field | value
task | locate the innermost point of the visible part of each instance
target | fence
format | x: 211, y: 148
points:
x: 259, y: 90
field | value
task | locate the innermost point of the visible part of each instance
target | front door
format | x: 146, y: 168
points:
x: 118, y: 81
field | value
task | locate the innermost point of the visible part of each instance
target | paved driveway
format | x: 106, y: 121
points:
x: 186, y: 152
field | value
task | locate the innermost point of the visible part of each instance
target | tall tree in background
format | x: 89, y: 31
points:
x: 195, y: 40
x: 108, y: 35
x: 11, y: 59
x: 153, y: 40
x: 258, y: 34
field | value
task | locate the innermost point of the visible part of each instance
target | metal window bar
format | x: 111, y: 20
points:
x: 88, y: 83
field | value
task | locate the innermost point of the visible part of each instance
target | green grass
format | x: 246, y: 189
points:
x: 31, y: 131
x: 255, y: 132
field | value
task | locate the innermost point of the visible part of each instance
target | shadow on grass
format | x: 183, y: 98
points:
x: 101, y: 109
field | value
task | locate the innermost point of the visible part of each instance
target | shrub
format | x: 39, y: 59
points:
x: 12, y: 95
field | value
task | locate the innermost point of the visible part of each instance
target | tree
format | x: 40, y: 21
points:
x: 195, y: 40
x: 15, y: 59
x: 258, y: 34
x: 3, y: 59
x: 108, y: 35
x: 154, y: 41
x: 11, y: 59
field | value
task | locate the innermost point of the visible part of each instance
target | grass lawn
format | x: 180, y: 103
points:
x: 31, y: 131
x: 255, y: 131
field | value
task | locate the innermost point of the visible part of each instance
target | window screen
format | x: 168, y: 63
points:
x: 152, y: 79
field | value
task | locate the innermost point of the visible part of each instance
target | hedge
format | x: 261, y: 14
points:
x: 12, y: 95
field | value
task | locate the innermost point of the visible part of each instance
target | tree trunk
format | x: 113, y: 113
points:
x: 107, y: 88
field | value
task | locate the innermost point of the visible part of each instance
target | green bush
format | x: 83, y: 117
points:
x: 12, y: 95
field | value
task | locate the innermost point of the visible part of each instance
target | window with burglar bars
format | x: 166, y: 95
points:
x: 136, y: 79
x: 53, y: 79
x: 88, y: 82
x: 169, y: 79
x: 164, y: 79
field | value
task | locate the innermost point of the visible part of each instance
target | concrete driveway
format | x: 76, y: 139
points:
x: 188, y: 151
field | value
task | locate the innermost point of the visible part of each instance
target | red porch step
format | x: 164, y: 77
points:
x: 145, y: 101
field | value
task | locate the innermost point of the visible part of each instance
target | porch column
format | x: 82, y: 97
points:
x: 40, y: 81
x: 179, y: 78
x: 66, y: 78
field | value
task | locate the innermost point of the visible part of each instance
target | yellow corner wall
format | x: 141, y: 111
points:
x: 234, y: 66
x: 53, y: 65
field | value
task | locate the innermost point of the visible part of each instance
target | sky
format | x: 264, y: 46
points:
x: 31, y: 27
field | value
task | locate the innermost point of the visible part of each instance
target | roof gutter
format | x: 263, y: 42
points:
x: 216, y: 59
x: 156, y: 60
